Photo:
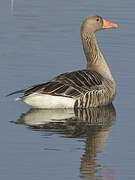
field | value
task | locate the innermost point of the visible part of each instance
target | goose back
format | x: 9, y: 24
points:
x: 87, y: 87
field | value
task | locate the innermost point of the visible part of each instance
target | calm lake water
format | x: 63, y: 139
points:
x: 38, y: 40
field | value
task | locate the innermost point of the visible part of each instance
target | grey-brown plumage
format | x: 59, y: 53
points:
x: 91, y: 87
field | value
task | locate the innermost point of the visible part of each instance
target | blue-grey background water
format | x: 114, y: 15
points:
x: 38, y: 40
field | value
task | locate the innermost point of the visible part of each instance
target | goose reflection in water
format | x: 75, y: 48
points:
x: 91, y: 124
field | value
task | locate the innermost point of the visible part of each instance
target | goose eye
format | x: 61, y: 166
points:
x: 97, y: 19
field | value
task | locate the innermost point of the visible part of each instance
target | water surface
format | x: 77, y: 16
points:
x: 38, y: 40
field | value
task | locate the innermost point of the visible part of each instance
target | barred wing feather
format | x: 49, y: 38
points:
x: 73, y: 84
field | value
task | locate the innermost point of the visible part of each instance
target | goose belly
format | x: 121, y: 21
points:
x: 45, y: 101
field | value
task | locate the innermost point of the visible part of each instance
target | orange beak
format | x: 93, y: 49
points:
x: 107, y: 24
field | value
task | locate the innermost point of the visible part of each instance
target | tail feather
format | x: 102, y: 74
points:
x: 16, y: 92
x: 19, y: 99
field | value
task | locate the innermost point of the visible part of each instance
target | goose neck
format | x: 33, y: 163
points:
x: 94, y: 57
x: 90, y: 47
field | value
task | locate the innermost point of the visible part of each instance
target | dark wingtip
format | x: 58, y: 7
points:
x: 15, y: 92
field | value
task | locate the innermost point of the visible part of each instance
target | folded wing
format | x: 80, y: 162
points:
x: 73, y: 84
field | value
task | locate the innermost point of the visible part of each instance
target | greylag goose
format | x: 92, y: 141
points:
x: 91, y: 87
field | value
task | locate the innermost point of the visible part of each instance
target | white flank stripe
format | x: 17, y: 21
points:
x: 45, y: 101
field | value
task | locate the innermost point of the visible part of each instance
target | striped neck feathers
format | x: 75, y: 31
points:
x: 94, y: 57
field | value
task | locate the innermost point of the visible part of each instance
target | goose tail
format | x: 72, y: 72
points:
x: 16, y: 92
